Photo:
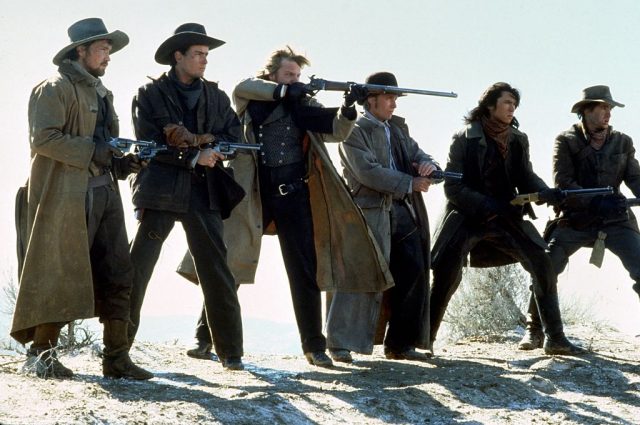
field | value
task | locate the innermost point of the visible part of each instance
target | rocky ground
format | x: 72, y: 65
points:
x: 470, y: 382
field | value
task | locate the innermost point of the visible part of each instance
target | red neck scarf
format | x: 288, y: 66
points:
x: 498, y: 131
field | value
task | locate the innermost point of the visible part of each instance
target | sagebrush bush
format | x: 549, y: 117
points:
x: 488, y: 302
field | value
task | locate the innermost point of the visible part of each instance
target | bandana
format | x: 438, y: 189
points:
x: 498, y: 131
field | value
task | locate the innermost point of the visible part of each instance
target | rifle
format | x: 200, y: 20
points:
x: 317, y: 84
x: 438, y: 176
x: 569, y: 193
x: 632, y: 202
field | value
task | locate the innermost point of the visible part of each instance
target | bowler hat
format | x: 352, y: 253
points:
x: 382, y: 78
x: 599, y: 94
x: 185, y: 35
x: 87, y: 30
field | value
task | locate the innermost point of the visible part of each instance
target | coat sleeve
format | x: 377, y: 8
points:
x: 632, y: 170
x: 464, y: 198
x: 50, y: 107
x: 362, y: 163
x: 252, y: 89
x: 148, y: 125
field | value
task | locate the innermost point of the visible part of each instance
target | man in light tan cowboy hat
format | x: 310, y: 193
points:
x: 76, y: 263
x: 183, y: 112
x: 592, y: 154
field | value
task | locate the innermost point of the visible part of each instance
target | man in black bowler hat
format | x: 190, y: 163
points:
x: 387, y: 173
x: 185, y: 113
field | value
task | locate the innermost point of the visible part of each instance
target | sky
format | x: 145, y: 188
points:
x: 549, y: 50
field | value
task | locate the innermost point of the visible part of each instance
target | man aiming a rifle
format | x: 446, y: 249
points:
x: 479, y: 219
x: 592, y: 154
x: 294, y: 191
x: 187, y: 114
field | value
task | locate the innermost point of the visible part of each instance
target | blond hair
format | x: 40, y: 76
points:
x: 275, y: 61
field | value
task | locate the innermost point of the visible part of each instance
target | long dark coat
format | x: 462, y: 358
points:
x: 466, y: 200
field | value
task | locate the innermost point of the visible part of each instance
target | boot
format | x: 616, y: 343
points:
x: 533, y: 336
x: 201, y: 350
x: 555, y: 341
x: 42, y: 357
x: 116, y: 362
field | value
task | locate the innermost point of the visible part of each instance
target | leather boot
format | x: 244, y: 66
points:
x: 533, y: 336
x: 202, y: 350
x: 116, y: 362
x: 42, y: 357
x: 555, y: 341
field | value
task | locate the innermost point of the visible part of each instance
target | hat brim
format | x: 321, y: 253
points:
x: 181, y: 40
x: 576, y: 108
x: 118, y: 41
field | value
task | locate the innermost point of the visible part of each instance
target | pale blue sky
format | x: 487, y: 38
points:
x: 550, y: 50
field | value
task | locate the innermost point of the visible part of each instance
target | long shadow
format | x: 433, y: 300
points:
x: 390, y: 390
x: 467, y: 374
x: 394, y: 402
x: 182, y: 387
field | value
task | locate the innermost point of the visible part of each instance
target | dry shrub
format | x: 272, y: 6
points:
x: 489, y: 302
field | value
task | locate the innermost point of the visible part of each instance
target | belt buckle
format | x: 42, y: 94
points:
x: 282, y: 189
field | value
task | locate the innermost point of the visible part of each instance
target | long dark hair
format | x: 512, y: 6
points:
x: 490, y: 98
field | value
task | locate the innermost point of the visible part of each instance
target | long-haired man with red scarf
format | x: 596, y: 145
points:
x: 493, y: 156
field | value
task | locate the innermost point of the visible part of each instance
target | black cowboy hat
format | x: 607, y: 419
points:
x: 91, y: 29
x: 185, y: 35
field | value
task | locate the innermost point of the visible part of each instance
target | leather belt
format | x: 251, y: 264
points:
x: 287, y: 188
x: 98, y: 181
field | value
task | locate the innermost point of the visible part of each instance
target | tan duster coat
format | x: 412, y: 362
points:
x: 56, y: 283
x: 348, y: 257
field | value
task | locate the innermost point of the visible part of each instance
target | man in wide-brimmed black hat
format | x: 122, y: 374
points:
x: 592, y: 154
x: 187, y: 114
x: 387, y: 173
x: 75, y: 262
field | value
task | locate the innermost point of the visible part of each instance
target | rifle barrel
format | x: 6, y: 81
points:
x: 322, y: 84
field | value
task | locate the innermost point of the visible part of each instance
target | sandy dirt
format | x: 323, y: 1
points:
x: 470, y: 382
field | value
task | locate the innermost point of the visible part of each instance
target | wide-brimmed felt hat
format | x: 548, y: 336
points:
x: 185, y: 35
x: 91, y: 29
x: 593, y: 94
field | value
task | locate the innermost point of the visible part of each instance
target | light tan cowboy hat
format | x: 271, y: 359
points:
x: 592, y: 94
x: 184, y: 36
x: 91, y: 29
